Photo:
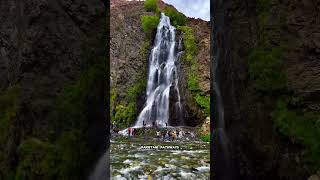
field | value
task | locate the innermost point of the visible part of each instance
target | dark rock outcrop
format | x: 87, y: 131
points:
x: 259, y: 151
x: 52, y: 51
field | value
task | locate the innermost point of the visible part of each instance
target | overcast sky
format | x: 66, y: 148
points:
x: 192, y: 8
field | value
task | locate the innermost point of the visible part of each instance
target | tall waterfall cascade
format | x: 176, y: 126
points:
x: 162, y: 77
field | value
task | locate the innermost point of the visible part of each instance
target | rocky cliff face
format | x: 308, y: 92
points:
x: 129, y: 53
x: 52, y: 86
x: 264, y: 137
x: 129, y: 50
x: 194, y: 115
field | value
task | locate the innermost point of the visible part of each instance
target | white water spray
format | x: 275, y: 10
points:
x: 162, y: 77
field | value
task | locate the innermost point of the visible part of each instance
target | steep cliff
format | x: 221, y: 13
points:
x: 268, y: 58
x: 129, y: 53
x: 129, y: 50
x: 52, y: 87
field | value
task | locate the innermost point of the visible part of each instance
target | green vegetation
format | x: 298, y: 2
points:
x: 303, y: 128
x: 113, y: 98
x: 266, y: 71
x: 49, y: 139
x: 63, y: 154
x: 37, y: 158
x: 204, y: 102
x: 205, y: 138
x: 61, y: 160
x: 124, y: 115
x: 8, y: 111
x: 149, y: 23
x: 144, y: 49
x: 151, y: 5
x: 126, y: 112
x: 193, y: 79
x: 189, y: 43
x: 74, y: 96
x: 177, y: 18
x: 265, y: 61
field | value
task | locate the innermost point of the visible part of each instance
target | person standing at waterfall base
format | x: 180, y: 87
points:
x: 129, y: 132
x: 163, y: 132
x: 143, y: 129
x: 158, y: 134
x: 177, y: 132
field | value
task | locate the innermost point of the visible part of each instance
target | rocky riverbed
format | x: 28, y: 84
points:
x: 145, y: 157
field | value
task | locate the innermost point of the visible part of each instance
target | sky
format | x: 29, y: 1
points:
x: 192, y: 8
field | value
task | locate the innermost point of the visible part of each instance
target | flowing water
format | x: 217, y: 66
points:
x: 189, y: 160
x: 100, y: 172
x: 162, y: 76
x: 223, y: 161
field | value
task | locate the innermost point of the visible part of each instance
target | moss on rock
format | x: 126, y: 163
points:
x: 189, y: 41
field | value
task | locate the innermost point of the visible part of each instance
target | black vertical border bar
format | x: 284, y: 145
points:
x: 108, y: 89
x: 212, y: 99
x: 107, y: 94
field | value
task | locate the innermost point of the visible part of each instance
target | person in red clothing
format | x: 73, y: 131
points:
x: 129, y: 131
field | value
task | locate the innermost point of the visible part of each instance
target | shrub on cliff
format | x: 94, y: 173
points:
x: 151, y: 5
x: 149, y: 23
x: 177, y: 18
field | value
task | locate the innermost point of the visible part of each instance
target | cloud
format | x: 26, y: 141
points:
x: 192, y: 8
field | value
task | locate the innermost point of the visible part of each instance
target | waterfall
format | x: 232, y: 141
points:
x: 162, y: 76
x: 101, y: 171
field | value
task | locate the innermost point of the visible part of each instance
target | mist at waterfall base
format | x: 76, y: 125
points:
x: 162, y: 77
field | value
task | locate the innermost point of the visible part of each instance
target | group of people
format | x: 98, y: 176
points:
x: 161, y: 133
x: 132, y: 132
x: 167, y: 134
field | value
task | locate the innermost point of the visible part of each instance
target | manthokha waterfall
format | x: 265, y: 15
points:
x: 162, y: 76
x: 152, y: 147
